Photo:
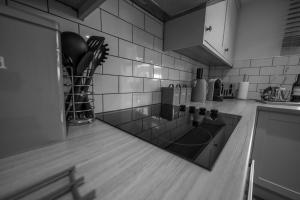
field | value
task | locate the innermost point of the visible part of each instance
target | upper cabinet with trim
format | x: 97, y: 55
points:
x: 206, y: 34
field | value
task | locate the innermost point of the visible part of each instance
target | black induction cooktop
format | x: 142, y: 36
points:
x: 198, y: 138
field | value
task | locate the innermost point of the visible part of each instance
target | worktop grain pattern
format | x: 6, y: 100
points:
x: 120, y: 166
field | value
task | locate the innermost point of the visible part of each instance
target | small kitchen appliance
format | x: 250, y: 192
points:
x: 199, y: 89
x: 214, y: 90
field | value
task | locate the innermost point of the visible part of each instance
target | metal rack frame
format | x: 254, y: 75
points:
x: 72, y: 111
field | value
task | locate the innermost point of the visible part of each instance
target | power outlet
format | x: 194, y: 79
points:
x: 2, y: 63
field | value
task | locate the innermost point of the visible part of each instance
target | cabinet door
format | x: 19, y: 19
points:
x: 230, y: 30
x: 276, y: 153
x: 214, y: 25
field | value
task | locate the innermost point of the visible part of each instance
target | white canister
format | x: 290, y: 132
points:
x: 243, y: 90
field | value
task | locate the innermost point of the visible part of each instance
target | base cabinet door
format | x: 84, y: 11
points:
x: 276, y: 152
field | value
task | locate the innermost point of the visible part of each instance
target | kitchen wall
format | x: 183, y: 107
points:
x: 263, y: 72
x: 137, y: 66
x: 260, y: 28
x: 258, y: 48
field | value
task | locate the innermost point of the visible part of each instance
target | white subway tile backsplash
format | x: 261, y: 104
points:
x: 252, y: 87
x: 142, y: 38
x: 249, y: 71
x: 279, y: 79
x: 259, y: 79
x: 241, y: 63
x: 289, y: 79
x: 179, y: 64
x: 130, y: 84
x: 131, y: 14
x: 117, y: 66
x: 142, y: 69
x: 110, y: 6
x: 116, y: 101
x: 166, y: 83
x: 112, y: 41
x: 151, y: 85
x: 115, y: 26
x: 292, y: 69
x: 168, y: 61
x: 98, y: 103
x: 156, y: 97
x: 173, y: 74
x: 141, y: 99
x: 216, y: 72
x: 272, y: 70
x: 161, y: 72
x: 231, y: 72
x: 280, y: 60
x: 158, y: 44
x: 131, y: 51
x: 293, y: 60
x: 262, y: 62
x: 236, y: 79
x: 152, y: 57
x: 153, y: 26
x: 105, y: 84
x: 93, y: 20
x: 184, y: 76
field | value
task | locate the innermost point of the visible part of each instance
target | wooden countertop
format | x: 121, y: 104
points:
x: 120, y: 166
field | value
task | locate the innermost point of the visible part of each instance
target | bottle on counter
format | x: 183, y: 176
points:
x: 295, y: 95
x: 199, y: 89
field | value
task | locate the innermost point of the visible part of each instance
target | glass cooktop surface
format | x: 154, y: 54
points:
x: 178, y: 130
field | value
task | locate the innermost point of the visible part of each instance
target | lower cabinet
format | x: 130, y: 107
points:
x: 276, y: 151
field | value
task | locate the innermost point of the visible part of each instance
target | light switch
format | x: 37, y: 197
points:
x: 2, y: 63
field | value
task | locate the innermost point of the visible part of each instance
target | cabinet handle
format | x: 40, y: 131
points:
x: 208, y: 28
x: 226, y: 50
x: 250, y: 189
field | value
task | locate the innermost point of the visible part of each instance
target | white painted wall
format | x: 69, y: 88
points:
x: 260, y: 28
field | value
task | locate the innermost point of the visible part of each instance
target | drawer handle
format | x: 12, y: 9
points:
x: 250, y: 189
x: 226, y: 50
x: 208, y: 28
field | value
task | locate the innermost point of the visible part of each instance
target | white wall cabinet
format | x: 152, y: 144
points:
x: 214, y: 26
x: 230, y: 30
x: 207, y: 34
x: 276, y: 154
